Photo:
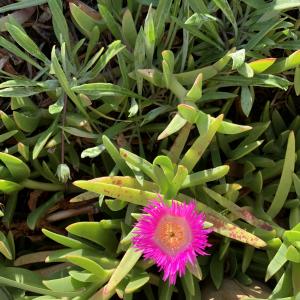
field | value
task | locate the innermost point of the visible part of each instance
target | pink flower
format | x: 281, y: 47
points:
x: 171, y: 236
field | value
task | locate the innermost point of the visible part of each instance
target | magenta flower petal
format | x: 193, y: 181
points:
x: 171, y: 236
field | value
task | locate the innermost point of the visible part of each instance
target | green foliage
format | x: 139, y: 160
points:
x: 178, y: 98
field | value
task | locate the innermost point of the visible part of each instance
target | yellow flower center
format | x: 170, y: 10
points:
x: 172, y: 234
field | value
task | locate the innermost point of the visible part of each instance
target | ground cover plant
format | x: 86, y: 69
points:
x: 109, y: 104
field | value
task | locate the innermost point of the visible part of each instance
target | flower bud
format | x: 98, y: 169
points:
x: 63, y: 173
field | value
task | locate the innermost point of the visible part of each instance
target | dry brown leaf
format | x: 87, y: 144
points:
x: 21, y: 16
x: 33, y: 199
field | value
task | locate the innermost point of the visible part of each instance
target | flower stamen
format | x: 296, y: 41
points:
x: 172, y: 234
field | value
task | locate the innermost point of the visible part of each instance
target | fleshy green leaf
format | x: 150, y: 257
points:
x: 18, y: 169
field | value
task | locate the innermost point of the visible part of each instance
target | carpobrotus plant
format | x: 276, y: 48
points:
x: 137, y: 98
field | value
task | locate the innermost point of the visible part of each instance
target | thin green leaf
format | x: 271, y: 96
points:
x: 59, y: 22
x: 193, y: 155
x: 286, y: 178
x: 20, y: 36
x: 277, y: 262
x: 44, y: 137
